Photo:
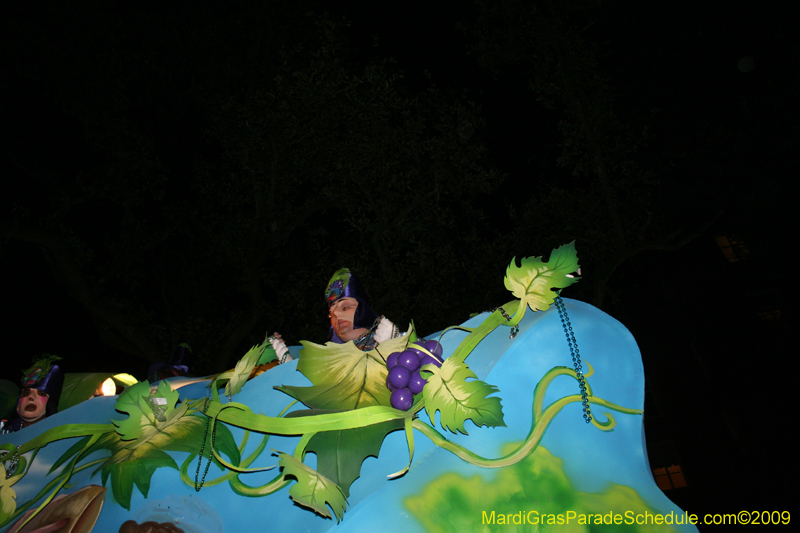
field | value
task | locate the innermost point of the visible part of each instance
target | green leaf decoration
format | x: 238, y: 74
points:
x: 178, y: 432
x: 235, y: 379
x: 45, y: 361
x: 343, y: 376
x: 312, y: 489
x: 241, y: 373
x: 150, y: 416
x: 139, y: 443
x: 269, y: 354
x: 79, y: 445
x: 533, y: 281
x: 8, y: 496
x: 125, y: 473
x: 135, y: 463
x: 457, y: 399
x: 410, y: 336
x: 341, y: 453
x: 79, y: 387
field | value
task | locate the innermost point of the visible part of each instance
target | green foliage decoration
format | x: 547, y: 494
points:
x: 125, y: 472
x: 44, y: 361
x: 78, y: 387
x: 312, y: 489
x: 343, y: 376
x: 141, y: 407
x: 241, y: 373
x: 534, y: 280
x: 155, y: 424
x: 458, y: 400
x: 137, y: 444
x: 340, y: 454
x: 8, y: 497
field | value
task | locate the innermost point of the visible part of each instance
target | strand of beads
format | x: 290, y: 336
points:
x: 576, y: 357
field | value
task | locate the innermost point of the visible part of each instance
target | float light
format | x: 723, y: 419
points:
x: 109, y: 388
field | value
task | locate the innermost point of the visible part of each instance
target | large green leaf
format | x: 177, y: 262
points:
x: 457, y: 399
x: 149, y: 415
x: 533, y: 281
x: 125, y: 473
x: 135, y: 464
x: 341, y: 453
x: 312, y: 489
x: 79, y: 387
x: 176, y: 431
x: 138, y: 446
x: 343, y: 376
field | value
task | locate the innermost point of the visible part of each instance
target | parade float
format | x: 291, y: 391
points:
x: 528, y: 416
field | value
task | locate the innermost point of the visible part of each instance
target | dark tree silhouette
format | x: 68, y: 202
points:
x: 208, y: 201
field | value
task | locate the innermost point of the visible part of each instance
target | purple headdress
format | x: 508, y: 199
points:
x: 44, y: 376
x: 47, y: 377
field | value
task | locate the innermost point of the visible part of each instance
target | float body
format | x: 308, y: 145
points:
x: 574, y: 471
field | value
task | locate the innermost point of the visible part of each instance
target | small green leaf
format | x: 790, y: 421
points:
x: 343, y: 376
x: 267, y: 355
x: 244, y: 367
x: 8, y: 496
x: 457, y: 399
x: 533, y: 281
x: 312, y: 489
x: 341, y: 453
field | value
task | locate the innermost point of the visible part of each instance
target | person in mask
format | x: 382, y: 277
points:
x: 39, y: 394
x: 350, y: 315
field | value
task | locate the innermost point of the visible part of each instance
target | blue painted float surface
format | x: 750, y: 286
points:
x: 593, y: 462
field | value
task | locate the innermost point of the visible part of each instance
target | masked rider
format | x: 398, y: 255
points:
x: 351, y: 317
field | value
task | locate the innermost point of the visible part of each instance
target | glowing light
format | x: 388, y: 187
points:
x: 109, y: 388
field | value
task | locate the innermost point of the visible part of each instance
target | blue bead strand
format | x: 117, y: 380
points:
x: 576, y: 357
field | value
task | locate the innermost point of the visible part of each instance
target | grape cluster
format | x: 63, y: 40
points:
x: 404, y: 379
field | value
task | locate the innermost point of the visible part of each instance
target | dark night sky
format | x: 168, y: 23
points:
x: 683, y: 59
x: 679, y: 58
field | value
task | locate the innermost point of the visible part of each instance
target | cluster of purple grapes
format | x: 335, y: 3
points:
x: 404, y: 379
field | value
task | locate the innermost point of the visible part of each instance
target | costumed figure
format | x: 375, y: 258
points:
x: 41, y: 391
x: 352, y: 318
